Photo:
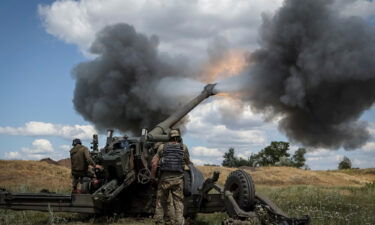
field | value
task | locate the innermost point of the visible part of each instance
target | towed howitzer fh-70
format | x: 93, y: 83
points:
x: 122, y: 184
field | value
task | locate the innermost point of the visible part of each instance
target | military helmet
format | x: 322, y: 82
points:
x: 76, y: 142
x: 174, y: 133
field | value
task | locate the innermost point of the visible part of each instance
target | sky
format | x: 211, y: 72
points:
x: 42, y: 41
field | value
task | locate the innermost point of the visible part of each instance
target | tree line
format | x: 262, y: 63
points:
x: 276, y: 154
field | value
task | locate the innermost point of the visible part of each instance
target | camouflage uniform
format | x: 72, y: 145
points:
x: 170, y: 186
x: 169, y: 214
x: 80, y: 161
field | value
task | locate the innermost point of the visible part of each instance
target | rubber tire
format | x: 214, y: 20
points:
x: 241, y: 185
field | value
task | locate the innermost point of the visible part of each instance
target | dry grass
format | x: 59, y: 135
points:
x: 19, y: 175
x: 286, y: 176
x: 329, y: 197
x: 32, y: 176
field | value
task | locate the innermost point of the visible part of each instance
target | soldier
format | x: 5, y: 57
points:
x: 159, y: 212
x: 80, y: 160
x: 172, y: 156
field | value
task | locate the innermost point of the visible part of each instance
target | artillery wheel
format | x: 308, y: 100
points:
x: 241, y: 185
x: 144, y: 176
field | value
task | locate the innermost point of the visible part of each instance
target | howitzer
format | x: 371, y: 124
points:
x: 160, y: 132
x: 122, y: 182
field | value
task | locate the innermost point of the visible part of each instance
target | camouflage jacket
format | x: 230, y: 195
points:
x: 80, y: 160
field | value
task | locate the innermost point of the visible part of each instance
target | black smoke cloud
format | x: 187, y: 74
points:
x: 118, y: 89
x: 316, y: 70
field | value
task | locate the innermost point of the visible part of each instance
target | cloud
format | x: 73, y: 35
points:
x: 232, y: 113
x: 65, y: 148
x: 183, y: 26
x: 326, y: 159
x: 39, y: 149
x: 361, y: 8
x: 244, y: 155
x: 198, y: 161
x: 369, y: 147
x: 206, y: 152
x: 13, y: 155
x: 34, y: 129
x: 40, y: 146
x: 372, y: 130
x: 210, y: 126
x: 203, y: 161
x: 323, y: 159
x: 211, y: 122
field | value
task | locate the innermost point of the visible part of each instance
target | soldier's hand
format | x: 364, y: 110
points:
x: 97, y: 166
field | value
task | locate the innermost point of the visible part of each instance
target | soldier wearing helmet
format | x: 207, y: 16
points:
x: 171, y: 158
x: 80, y: 160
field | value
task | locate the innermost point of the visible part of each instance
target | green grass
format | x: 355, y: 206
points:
x: 211, y: 219
x: 325, y: 205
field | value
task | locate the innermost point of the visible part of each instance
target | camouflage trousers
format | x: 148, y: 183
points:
x: 75, y: 181
x: 170, y: 202
x: 168, y: 216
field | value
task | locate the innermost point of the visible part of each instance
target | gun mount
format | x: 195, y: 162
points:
x: 121, y: 183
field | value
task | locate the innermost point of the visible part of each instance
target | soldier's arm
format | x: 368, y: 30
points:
x: 88, y: 157
x: 155, y: 161
x: 187, y: 156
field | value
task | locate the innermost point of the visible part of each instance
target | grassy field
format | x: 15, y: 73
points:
x: 329, y: 197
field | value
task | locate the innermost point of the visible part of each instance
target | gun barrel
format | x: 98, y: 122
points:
x: 160, y: 132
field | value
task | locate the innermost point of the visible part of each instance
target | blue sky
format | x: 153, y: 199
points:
x: 35, y: 72
x: 36, y: 84
x: 39, y: 48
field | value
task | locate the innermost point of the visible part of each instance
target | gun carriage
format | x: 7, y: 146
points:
x: 122, y: 184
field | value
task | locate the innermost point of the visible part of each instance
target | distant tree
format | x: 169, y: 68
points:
x: 274, y: 154
x: 271, y: 154
x: 299, y: 158
x: 306, y: 167
x: 345, y: 164
x: 254, y: 160
x: 208, y: 164
x: 285, y: 161
x: 241, y: 162
x: 229, y: 158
